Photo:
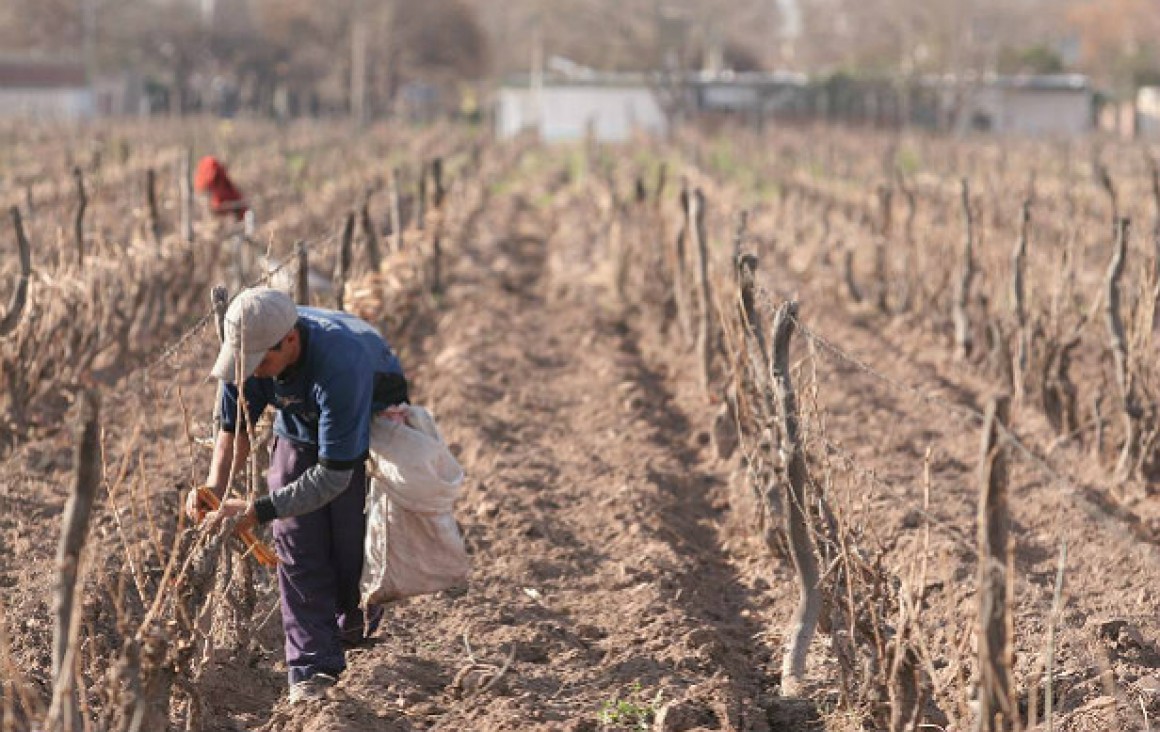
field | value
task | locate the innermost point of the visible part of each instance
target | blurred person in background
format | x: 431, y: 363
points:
x: 224, y: 197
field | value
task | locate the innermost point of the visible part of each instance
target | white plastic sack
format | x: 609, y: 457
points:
x: 413, y: 545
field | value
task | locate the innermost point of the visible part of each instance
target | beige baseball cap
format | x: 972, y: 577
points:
x: 256, y: 320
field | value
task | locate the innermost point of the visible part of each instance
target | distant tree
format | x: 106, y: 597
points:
x: 167, y: 47
x: 310, y: 44
x: 1117, y: 37
x: 1037, y: 59
x: 740, y: 57
x: 44, y: 26
x: 440, y: 37
x: 921, y: 36
x: 304, y: 51
x: 631, y: 35
x: 437, y: 42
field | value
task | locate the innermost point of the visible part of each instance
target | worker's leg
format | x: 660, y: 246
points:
x: 306, y: 577
x: 348, y: 532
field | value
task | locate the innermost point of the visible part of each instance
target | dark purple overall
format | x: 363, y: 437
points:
x: 321, y: 557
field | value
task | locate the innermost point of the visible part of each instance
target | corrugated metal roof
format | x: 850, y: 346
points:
x: 1043, y: 81
x: 583, y: 76
x: 1037, y: 82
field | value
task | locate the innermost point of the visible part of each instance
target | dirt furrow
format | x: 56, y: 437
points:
x: 592, y: 514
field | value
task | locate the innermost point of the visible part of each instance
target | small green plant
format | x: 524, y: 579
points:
x: 816, y: 170
x: 577, y: 164
x: 632, y: 712
x: 723, y: 158
x: 295, y: 164
x: 907, y: 160
x: 501, y: 186
x: 544, y: 200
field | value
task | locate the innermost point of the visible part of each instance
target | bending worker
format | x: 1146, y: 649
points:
x: 326, y: 372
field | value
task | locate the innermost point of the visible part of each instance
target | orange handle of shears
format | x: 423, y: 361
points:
x: 264, y: 554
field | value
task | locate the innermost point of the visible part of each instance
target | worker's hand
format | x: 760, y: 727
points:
x: 235, y: 507
x: 193, y: 507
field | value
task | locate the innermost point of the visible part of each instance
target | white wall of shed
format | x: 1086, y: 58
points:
x: 1046, y: 112
x: 1148, y: 111
x: 47, y: 103
x: 565, y: 112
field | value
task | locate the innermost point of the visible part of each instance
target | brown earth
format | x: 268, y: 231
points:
x: 618, y: 575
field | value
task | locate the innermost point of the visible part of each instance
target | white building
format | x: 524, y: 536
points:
x: 1048, y: 104
x: 612, y: 106
x: 41, y: 88
x: 1148, y: 111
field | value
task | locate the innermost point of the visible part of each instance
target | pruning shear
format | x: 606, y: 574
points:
x: 209, y: 501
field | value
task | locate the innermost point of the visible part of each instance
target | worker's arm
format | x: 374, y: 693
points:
x: 229, y: 451
x: 315, y: 488
x: 312, y: 490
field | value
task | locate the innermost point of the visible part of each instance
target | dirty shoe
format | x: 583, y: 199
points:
x: 312, y: 688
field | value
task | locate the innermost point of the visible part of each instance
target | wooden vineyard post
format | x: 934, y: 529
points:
x: 756, y: 350
x: 705, y: 326
x: 185, y: 193
x: 374, y: 257
x: 914, y: 297
x: 881, y: 246
x: 962, y: 293
x: 619, y: 245
x: 79, y: 220
x: 151, y: 201
x: 439, y: 192
x: 678, y: 268
x: 395, y: 212
x: 805, y: 617
x: 1154, y: 173
x: 739, y: 233
x: 75, y: 525
x: 1119, y: 347
x: 1018, y: 306
x: 16, y: 305
x: 995, y: 711
x: 725, y: 430
x: 757, y: 356
x: 1114, y: 200
x: 421, y: 198
x: 657, y: 245
x: 342, y: 266
x: 302, y: 286
x: 219, y: 298
x: 848, y: 276
x: 437, y: 195
x: 662, y: 177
